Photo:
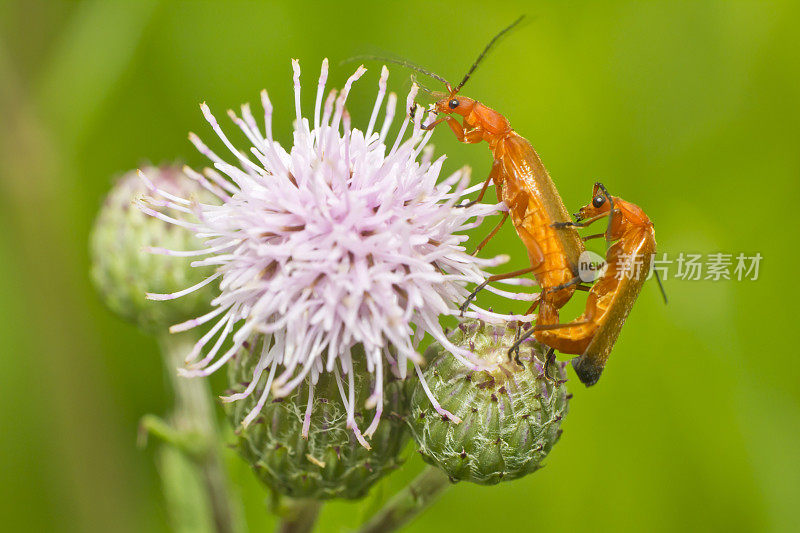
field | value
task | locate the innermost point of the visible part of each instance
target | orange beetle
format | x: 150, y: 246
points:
x: 628, y: 261
x: 523, y: 184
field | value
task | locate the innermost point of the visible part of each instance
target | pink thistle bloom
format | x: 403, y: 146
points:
x: 344, y: 239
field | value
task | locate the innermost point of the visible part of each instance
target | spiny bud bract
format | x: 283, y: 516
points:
x: 329, y: 462
x: 510, y: 414
x: 124, y: 270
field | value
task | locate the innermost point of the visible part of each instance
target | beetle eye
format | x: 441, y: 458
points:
x: 598, y: 201
x: 453, y: 103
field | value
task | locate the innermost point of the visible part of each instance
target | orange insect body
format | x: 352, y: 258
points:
x: 524, y: 185
x: 629, y: 259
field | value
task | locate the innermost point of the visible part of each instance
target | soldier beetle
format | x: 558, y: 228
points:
x: 522, y: 183
x: 628, y: 261
x: 553, y: 245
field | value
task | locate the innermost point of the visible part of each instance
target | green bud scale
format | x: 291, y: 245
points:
x: 123, y: 268
x: 510, y: 414
x: 328, y: 462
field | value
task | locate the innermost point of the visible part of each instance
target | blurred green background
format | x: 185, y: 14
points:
x: 689, y: 109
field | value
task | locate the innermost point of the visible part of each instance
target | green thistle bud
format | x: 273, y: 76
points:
x: 511, y: 415
x: 330, y: 462
x: 123, y: 270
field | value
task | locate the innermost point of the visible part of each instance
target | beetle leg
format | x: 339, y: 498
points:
x: 574, y: 281
x: 491, y: 234
x: 518, y: 340
x: 560, y: 225
x: 548, y: 327
x: 549, y: 359
x: 480, y: 195
x: 474, y: 135
x: 492, y: 175
x: 543, y: 327
x: 490, y: 279
x: 455, y: 125
x: 590, y: 220
x: 433, y: 124
x: 534, y: 305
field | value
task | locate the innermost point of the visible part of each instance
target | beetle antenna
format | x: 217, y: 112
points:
x: 661, y: 286
x: 486, y: 51
x: 404, y: 63
x: 611, y: 211
x: 421, y: 85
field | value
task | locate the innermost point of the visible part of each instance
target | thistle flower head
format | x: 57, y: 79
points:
x: 345, y: 239
x: 122, y: 272
x: 512, y: 411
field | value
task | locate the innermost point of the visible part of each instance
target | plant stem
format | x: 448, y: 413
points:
x: 193, y: 422
x: 404, y: 506
x: 300, y: 516
x: 184, y: 491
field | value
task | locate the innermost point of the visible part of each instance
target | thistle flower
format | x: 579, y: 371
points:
x: 342, y: 240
